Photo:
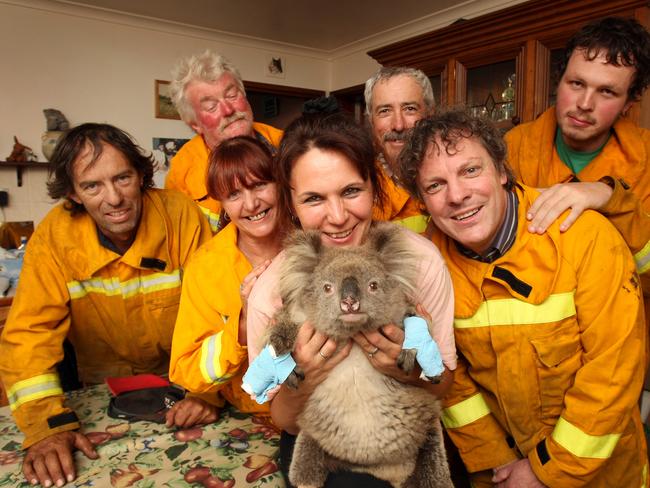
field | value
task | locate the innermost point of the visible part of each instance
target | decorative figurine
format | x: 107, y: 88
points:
x: 57, y: 124
x: 21, y: 153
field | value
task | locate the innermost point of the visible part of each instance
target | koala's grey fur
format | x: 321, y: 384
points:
x: 358, y: 419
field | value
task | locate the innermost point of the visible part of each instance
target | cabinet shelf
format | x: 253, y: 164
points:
x: 21, y: 165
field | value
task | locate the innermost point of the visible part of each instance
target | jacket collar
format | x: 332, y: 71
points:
x: 151, y: 240
x: 519, y: 270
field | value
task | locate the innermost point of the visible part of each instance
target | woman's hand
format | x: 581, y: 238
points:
x: 316, y: 354
x: 244, y: 291
x: 383, y: 347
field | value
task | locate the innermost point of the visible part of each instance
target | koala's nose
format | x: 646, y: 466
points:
x: 349, y: 295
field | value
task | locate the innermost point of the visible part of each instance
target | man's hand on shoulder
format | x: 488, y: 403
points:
x: 553, y: 201
x: 50, y: 461
x: 517, y: 474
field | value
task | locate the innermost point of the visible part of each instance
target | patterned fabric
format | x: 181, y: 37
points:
x: 239, y: 450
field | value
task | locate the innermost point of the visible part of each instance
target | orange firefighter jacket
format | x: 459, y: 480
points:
x: 117, y: 311
x: 189, y: 168
x: 400, y: 207
x: 551, y: 340
x: 625, y: 159
x: 207, y: 357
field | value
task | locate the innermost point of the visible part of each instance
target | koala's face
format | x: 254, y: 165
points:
x: 351, y: 292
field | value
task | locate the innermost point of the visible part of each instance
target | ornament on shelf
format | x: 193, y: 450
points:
x: 21, y: 153
x: 57, y: 125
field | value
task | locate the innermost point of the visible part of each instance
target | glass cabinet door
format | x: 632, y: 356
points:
x: 554, y: 74
x: 436, y: 84
x: 491, y: 91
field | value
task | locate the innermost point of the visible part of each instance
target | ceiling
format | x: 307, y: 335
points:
x: 316, y: 24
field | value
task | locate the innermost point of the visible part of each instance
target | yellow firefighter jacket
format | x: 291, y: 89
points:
x: 551, y: 340
x: 207, y: 357
x: 625, y: 158
x: 189, y: 169
x: 399, y: 207
x: 117, y: 311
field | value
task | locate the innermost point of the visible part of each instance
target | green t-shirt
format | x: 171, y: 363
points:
x: 575, y: 160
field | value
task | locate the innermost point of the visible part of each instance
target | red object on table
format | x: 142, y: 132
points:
x: 120, y: 384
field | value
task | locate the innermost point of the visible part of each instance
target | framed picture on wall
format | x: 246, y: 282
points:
x: 164, y: 107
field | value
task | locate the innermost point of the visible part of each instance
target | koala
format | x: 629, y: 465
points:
x: 358, y: 419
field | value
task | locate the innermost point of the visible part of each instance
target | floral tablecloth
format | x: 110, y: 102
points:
x: 239, y: 450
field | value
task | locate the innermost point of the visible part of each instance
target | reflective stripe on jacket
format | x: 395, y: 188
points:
x: 189, y: 167
x: 551, y: 339
x: 117, y: 311
x: 206, y: 354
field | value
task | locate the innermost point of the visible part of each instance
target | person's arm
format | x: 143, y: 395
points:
x: 383, y: 348
x: 624, y: 201
x: 50, y: 461
x: 30, y: 347
x: 574, y: 196
x: 602, y: 398
x: 206, y: 351
x: 481, y: 441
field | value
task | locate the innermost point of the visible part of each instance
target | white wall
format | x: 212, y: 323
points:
x: 101, y: 68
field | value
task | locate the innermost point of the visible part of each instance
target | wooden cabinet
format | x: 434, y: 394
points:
x: 482, y: 61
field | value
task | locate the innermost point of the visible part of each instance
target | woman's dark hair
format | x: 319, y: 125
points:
x: 74, y: 143
x: 240, y: 161
x: 445, y: 130
x: 622, y: 41
x: 336, y: 132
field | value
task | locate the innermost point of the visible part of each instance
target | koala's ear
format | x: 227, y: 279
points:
x: 303, y: 251
x: 391, y: 244
x: 384, y: 238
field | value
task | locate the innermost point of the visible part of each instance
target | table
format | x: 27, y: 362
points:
x: 239, y: 450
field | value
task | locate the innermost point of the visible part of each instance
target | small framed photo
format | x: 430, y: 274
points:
x: 164, y: 107
x: 276, y: 66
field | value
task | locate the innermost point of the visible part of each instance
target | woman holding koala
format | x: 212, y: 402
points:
x: 327, y: 181
x: 209, y: 343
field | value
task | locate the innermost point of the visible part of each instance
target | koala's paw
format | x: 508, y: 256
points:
x: 282, y: 339
x: 295, y: 378
x: 435, y: 380
x: 406, y: 359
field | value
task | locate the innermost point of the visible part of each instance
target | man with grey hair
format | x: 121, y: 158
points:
x: 396, y: 98
x: 209, y: 95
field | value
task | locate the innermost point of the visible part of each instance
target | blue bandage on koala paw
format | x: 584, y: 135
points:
x: 416, y: 336
x: 266, y: 372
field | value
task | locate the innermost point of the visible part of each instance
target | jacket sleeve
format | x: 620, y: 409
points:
x: 602, y: 401
x: 481, y: 441
x: 32, y: 345
x: 206, y: 352
x: 629, y: 211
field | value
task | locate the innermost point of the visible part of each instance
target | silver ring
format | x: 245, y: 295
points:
x: 320, y: 353
x: 371, y: 354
